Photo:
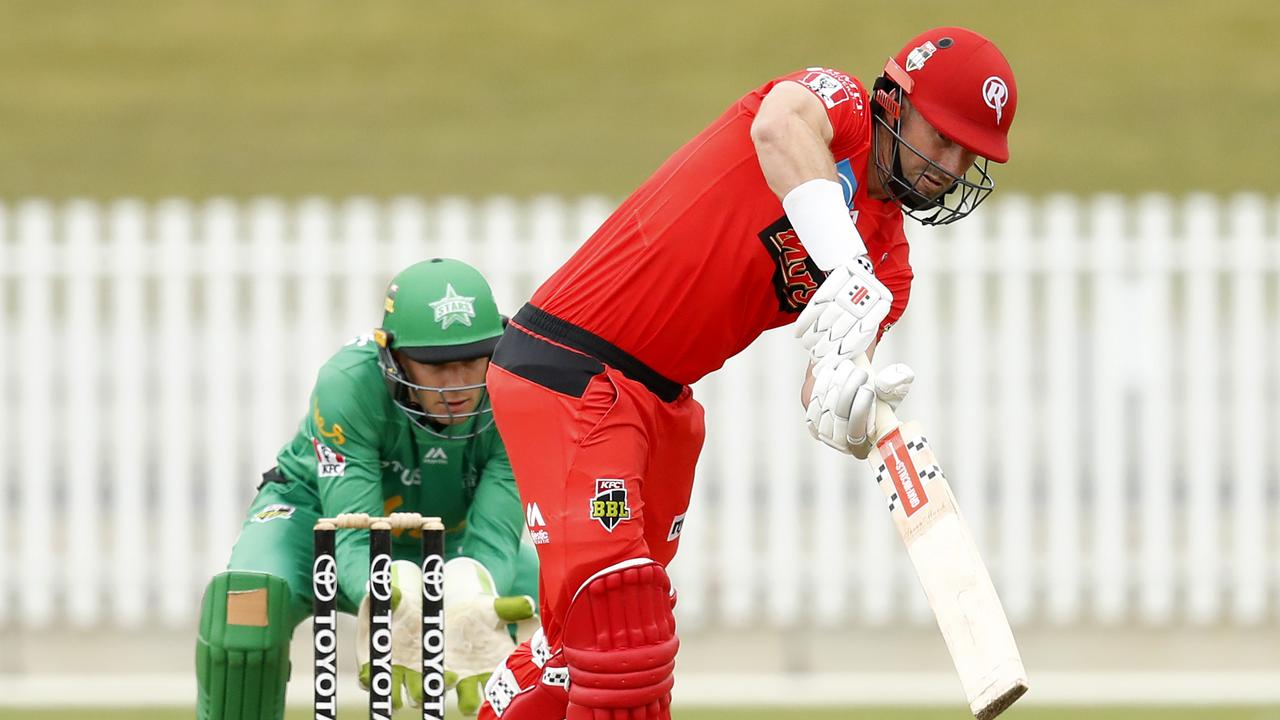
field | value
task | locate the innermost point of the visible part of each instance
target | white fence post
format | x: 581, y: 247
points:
x: 38, y: 421
x: 269, y: 416
x: 364, y: 277
x: 315, y: 332
x: 173, y: 344
x: 126, y: 438
x: 1201, y: 439
x: 1156, y: 478
x: 1249, y: 438
x: 1105, y: 410
x: 735, y: 519
x: 8, y: 339
x: 1064, y: 454
x: 81, y: 531
x: 222, y: 441
x: 1016, y: 406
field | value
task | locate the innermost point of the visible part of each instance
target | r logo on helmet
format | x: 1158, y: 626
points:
x: 996, y: 94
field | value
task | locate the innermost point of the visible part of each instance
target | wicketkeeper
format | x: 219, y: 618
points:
x: 399, y: 421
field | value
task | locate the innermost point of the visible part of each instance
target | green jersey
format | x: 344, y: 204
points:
x: 363, y: 454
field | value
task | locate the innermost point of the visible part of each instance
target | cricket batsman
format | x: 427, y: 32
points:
x: 787, y: 209
x: 399, y: 421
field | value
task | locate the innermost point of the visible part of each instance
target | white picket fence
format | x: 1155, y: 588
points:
x: 1099, y: 377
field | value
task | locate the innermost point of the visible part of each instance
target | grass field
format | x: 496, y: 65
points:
x: 294, y: 97
x: 1030, y: 713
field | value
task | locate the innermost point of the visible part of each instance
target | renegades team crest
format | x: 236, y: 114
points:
x: 795, y: 275
x: 610, y: 506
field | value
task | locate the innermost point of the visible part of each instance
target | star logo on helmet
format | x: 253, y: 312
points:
x: 453, y: 308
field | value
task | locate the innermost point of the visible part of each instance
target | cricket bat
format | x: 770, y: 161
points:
x: 956, y: 581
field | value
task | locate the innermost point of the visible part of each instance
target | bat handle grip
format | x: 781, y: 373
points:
x: 886, y: 419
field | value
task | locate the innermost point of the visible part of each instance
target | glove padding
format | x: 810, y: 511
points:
x: 844, y: 315
x: 476, y: 636
x: 842, y: 404
x: 406, y: 634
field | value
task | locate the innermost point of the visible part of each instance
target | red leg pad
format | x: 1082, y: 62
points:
x: 620, y: 644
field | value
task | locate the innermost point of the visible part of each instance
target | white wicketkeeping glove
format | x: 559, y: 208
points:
x: 406, y: 634
x: 842, y: 411
x: 845, y: 312
x: 476, y: 637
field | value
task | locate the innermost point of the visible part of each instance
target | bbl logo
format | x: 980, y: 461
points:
x: 610, y: 503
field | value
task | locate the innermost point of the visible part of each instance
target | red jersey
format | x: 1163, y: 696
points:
x: 701, y: 259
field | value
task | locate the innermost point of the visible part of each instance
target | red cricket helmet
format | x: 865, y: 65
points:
x: 962, y: 85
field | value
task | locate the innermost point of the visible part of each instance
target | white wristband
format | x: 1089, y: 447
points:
x: 817, y: 212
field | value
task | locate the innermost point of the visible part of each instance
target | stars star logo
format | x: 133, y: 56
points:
x: 453, y: 308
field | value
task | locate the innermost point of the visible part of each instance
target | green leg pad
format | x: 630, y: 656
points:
x: 242, y: 654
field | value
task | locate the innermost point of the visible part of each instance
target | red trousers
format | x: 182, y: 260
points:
x: 604, y: 467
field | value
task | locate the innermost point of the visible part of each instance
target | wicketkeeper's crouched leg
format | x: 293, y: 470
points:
x: 242, y: 653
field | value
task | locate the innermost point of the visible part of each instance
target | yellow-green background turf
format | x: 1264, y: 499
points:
x: 297, y: 97
x: 959, y: 713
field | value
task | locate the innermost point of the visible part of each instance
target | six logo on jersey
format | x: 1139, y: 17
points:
x: 329, y: 463
x: 453, y: 308
x: 534, y: 520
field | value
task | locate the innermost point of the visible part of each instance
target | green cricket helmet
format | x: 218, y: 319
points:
x: 437, y: 311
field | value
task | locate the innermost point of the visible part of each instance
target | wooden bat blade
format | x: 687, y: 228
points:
x: 950, y: 569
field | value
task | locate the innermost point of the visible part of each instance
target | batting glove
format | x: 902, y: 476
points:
x: 842, y: 405
x: 845, y: 312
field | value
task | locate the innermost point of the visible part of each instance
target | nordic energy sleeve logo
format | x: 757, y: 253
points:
x: 433, y: 636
